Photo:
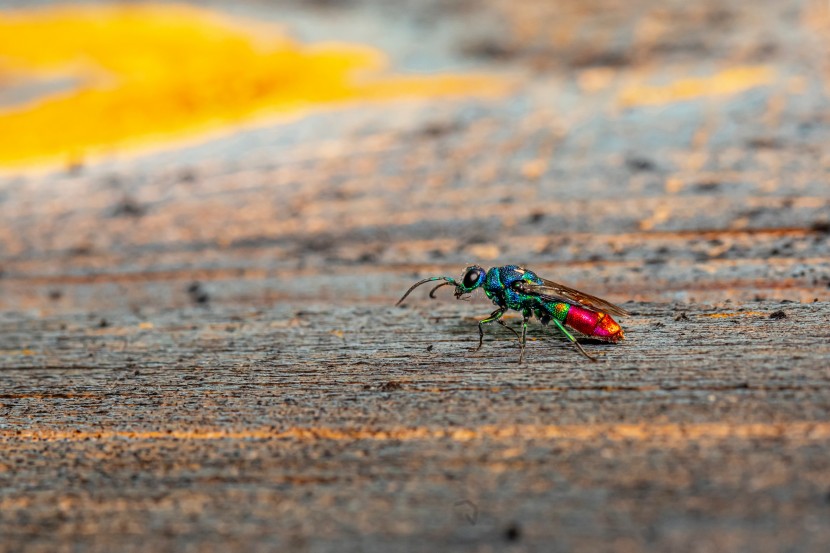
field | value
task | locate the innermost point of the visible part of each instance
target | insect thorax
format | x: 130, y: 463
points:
x: 493, y: 286
x: 498, y: 287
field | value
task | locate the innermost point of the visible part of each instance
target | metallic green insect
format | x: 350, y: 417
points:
x: 512, y: 287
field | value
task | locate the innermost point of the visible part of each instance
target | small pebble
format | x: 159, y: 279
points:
x: 513, y: 532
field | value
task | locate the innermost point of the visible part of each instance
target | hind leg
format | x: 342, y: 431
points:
x: 570, y: 337
x: 545, y: 318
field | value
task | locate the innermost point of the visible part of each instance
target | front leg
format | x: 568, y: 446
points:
x: 494, y: 316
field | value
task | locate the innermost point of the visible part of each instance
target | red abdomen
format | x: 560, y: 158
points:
x: 595, y: 324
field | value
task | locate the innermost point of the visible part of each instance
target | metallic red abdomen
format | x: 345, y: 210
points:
x: 594, y: 324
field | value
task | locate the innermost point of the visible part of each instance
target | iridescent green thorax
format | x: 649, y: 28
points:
x: 498, y: 285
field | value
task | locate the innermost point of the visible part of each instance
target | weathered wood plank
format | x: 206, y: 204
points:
x: 313, y: 425
x: 199, y: 349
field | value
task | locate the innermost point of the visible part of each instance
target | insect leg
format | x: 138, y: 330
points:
x: 572, y: 339
x: 523, y: 339
x: 494, y: 316
x: 510, y: 328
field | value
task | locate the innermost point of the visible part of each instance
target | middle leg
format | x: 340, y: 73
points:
x: 523, y: 340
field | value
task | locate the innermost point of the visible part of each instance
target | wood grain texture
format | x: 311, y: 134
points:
x: 199, y: 349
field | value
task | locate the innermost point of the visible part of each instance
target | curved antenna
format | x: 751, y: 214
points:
x: 432, y: 292
x: 430, y: 279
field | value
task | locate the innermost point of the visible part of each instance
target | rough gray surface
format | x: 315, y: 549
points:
x: 198, y: 349
x: 364, y: 428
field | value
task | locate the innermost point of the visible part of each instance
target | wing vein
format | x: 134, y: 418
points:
x: 553, y: 291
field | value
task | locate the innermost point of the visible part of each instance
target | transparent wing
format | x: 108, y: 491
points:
x: 553, y: 291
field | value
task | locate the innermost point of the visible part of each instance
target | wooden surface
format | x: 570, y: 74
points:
x: 199, y: 349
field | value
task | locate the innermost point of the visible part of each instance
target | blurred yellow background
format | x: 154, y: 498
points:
x: 131, y: 76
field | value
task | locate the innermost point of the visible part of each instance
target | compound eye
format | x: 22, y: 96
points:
x: 471, y: 278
